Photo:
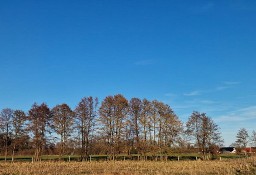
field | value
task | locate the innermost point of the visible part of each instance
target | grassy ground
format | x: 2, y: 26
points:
x: 225, y: 167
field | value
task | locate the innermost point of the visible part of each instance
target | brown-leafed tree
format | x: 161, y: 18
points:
x: 253, y: 138
x: 113, y: 115
x: 169, y: 126
x: 135, y: 110
x: 6, y: 118
x: 86, y: 113
x: 242, y: 138
x: 204, y: 131
x: 19, y: 130
x: 63, y: 121
x: 106, y: 119
x: 155, y: 121
x: 39, y: 125
x: 145, y: 125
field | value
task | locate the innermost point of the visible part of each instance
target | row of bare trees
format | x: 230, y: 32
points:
x: 139, y: 124
x: 116, y: 126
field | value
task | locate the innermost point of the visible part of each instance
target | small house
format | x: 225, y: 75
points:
x: 224, y: 150
x: 249, y: 150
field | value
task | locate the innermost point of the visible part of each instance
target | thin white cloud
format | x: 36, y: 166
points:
x: 207, y: 6
x: 144, y: 62
x: 231, y: 82
x: 201, y: 102
x: 243, y: 5
x: 170, y: 95
x: 194, y: 104
x: 207, y: 102
x: 227, y: 85
x: 224, y: 85
x: 243, y: 114
x: 209, y: 106
x: 183, y: 106
x: 193, y: 93
x: 203, y: 8
x: 220, y: 88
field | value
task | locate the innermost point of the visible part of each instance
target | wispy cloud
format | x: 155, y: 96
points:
x: 170, y: 95
x: 243, y: 114
x: 207, y: 6
x: 231, y: 82
x: 220, y: 88
x: 144, y: 62
x: 227, y: 85
x: 214, y: 108
x: 202, y: 8
x: 193, y: 93
x: 243, y: 5
x: 223, y: 86
x: 207, y: 102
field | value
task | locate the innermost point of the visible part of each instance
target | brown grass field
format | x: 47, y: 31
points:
x: 225, y: 167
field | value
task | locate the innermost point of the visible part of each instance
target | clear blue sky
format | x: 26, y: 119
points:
x: 193, y: 55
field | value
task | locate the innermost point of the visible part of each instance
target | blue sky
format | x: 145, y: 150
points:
x: 193, y: 55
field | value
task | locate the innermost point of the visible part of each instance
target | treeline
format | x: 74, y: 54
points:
x: 115, y: 126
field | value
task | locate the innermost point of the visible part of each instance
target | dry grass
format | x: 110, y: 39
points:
x: 225, y: 167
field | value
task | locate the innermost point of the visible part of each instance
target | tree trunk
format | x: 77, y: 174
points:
x: 13, y: 151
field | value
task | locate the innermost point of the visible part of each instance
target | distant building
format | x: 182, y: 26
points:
x: 224, y: 150
x: 249, y: 150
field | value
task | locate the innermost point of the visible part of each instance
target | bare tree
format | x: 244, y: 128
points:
x: 144, y: 119
x: 242, y: 138
x: 170, y: 127
x: 106, y: 119
x: 204, y: 131
x: 39, y: 118
x: 63, y: 120
x: 135, y: 110
x: 154, y: 120
x: 253, y: 138
x: 6, y: 118
x: 166, y: 127
x: 19, y: 129
x: 86, y: 113
x: 113, y: 113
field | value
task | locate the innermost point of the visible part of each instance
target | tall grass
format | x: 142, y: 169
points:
x: 225, y: 167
